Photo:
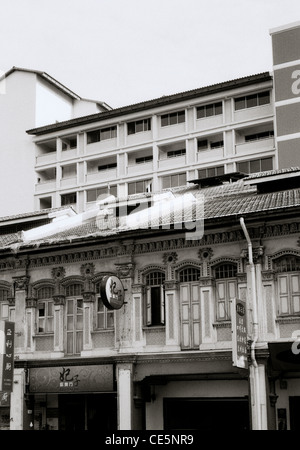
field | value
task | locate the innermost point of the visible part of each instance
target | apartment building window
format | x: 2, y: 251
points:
x: 226, y: 289
x: 172, y: 118
x: 143, y: 159
x: 101, y: 134
x: 4, y: 304
x: 74, y: 319
x: 68, y: 199
x: 170, y: 181
x: 204, y: 144
x: 258, y: 136
x: 252, y: 100
x: 104, y: 316
x: 45, y: 309
x: 175, y: 153
x: 93, y: 194
x: 155, y: 299
x: 255, y: 165
x: 211, y: 172
x: 139, y: 187
x: 287, y: 269
x: 107, y: 166
x: 214, y: 109
x: 139, y: 126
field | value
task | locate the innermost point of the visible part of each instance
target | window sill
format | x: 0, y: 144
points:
x: 287, y: 319
x: 222, y: 324
x: 100, y: 331
x: 154, y: 327
x: 40, y: 335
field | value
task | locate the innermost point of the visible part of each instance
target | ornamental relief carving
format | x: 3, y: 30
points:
x: 21, y: 283
x: 58, y: 273
x: 170, y: 258
x: 87, y: 270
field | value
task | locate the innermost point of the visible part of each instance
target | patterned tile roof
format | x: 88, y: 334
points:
x: 219, y: 202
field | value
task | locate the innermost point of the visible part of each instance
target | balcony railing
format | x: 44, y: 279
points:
x: 255, y: 146
x: 46, y: 158
x: 171, y: 163
x: 102, y: 175
x: 133, y: 169
x: 45, y: 186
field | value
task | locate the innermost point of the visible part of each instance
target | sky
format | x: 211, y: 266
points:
x: 127, y: 51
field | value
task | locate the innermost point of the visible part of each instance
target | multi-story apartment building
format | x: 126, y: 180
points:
x: 158, y: 144
x: 75, y: 150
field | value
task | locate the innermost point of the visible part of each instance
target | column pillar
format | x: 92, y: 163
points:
x: 206, y: 312
x: 21, y: 288
x: 258, y: 389
x: 172, y: 319
x: 17, y: 400
x: 88, y: 302
x: 125, y: 396
x: 137, y: 291
x: 30, y: 323
x: 59, y: 302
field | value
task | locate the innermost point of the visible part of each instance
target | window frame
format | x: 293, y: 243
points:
x: 164, y: 179
x: 132, y: 126
x: 206, y: 108
x: 77, y: 329
x: 247, y: 99
x: 173, y: 118
x: 4, y: 294
x: 48, y: 318
x: 105, y: 313
x: 228, y: 279
x: 100, y: 134
x: 289, y: 273
x: 154, y: 314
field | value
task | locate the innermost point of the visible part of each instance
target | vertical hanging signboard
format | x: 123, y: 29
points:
x: 239, y: 334
x: 7, y: 334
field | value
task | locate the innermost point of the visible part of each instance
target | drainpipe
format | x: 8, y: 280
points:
x: 255, y: 323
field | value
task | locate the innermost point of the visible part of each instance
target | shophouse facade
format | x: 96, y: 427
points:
x: 164, y: 359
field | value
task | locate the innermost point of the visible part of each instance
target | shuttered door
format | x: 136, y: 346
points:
x: 190, y: 315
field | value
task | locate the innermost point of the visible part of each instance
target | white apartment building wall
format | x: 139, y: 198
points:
x: 84, y: 170
x: 29, y: 99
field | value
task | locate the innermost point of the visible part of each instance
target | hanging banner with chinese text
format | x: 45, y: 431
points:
x: 239, y: 334
x: 7, y: 335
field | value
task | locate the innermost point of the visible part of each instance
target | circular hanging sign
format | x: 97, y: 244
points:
x: 112, y: 292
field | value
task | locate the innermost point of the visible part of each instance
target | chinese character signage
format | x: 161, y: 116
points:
x: 7, y: 334
x: 98, y: 378
x: 112, y: 292
x: 239, y: 334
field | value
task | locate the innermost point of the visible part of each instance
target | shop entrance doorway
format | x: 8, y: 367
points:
x: 87, y: 412
x: 206, y: 414
x: 294, y: 413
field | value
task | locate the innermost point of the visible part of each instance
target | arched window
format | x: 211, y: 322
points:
x: 288, y: 284
x: 45, y: 309
x: 4, y: 309
x: 226, y: 289
x: 155, y: 298
x: 189, y: 274
x: 104, y: 316
x: 74, y: 318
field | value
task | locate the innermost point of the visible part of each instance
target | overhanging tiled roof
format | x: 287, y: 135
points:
x: 221, y: 203
x: 161, y: 101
